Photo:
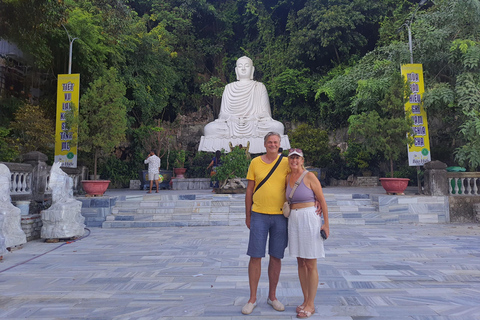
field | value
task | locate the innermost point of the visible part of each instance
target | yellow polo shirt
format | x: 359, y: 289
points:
x: 270, y: 197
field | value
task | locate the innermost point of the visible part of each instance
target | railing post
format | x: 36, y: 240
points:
x: 436, y: 182
x: 39, y: 174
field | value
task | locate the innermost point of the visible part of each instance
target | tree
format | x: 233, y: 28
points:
x: 32, y: 130
x: 389, y: 130
x: 102, y: 120
x: 314, y: 144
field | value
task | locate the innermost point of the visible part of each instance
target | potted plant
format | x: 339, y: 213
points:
x: 234, y: 167
x: 179, y: 164
x: 387, y: 131
x: 101, y: 123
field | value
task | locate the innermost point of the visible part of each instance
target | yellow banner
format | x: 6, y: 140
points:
x: 419, y: 152
x: 68, y: 94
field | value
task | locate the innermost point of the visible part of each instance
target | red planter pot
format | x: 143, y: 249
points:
x: 179, y: 172
x: 394, y: 185
x: 95, y: 187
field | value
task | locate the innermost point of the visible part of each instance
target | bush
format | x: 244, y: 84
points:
x: 118, y: 172
x: 234, y: 165
x: 314, y: 144
x: 409, y: 172
x: 198, y: 165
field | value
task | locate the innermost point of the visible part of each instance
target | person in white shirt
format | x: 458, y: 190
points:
x: 153, y: 169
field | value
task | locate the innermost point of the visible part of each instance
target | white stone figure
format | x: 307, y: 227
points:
x: 3, y: 248
x: 63, y: 219
x: 12, y: 226
x: 245, y: 115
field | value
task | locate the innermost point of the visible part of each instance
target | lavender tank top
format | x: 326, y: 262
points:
x: 302, y: 194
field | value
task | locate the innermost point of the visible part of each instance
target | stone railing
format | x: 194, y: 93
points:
x: 439, y: 182
x: 30, y: 179
x: 21, y: 180
x: 464, y: 183
x: 460, y: 188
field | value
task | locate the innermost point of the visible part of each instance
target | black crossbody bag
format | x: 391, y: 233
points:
x: 269, y: 174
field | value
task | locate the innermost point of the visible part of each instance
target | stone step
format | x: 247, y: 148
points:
x: 205, y: 210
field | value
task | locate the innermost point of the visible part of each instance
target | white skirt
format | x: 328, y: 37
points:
x: 304, y: 239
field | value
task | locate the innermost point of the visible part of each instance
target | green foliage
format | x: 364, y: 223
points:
x: 8, y: 149
x: 234, y: 165
x: 409, y: 172
x: 118, y: 172
x: 198, y: 164
x: 180, y: 159
x: 357, y: 157
x: 292, y: 95
x: 388, y: 132
x: 32, y: 130
x: 314, y: 144
x: 357, y: 89
x: 8, y: 107
x: 149, y: 74
x: 213, y: 88
x: 339, y: 168
x: 30, y: 25
x: 174, y: 57
x: 102, y: 116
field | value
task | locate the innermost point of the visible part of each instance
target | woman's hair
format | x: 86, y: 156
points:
x: 218, y: 154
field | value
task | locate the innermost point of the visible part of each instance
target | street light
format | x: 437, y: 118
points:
x: 70, y: 39
x: 408, y: 24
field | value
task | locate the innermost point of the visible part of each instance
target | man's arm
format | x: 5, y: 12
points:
x: 249, y: 202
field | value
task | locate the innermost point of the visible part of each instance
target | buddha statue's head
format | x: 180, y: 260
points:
x: 244, y: 68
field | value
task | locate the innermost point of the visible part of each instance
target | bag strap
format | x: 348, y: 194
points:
x: 297, y: 183
x: 269, y: 174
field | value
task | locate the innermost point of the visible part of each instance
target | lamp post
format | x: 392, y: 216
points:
x: 70, y: 39
x: 410, y: 47
x: 408, y: 25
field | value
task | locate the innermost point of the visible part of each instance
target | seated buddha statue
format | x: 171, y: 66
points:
x: 244, y: 112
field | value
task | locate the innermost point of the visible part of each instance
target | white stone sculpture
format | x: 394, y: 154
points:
x: 63, y: 219
x: 245, y: 115
x: 11, y: 227
x: 3, y: 248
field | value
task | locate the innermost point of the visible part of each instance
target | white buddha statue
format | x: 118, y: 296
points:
x: 11, y: 227
x: 64, y: 218
x: 245, y: 114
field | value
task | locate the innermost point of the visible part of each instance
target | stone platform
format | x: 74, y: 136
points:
x: 358, y: 206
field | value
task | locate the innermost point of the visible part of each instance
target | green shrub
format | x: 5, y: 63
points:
x: 118, y: 172
x: 314, y: 144
x: 234, y: 165
x: 198, y: 165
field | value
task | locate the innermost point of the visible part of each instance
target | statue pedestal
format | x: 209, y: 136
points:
x: 212, y: 144
x: 63, y: 221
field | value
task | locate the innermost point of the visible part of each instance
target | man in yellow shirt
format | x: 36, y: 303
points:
x: 263, y: 209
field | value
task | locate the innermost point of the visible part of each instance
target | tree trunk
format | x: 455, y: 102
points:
x: 391, y: 168
x: 95, y: 164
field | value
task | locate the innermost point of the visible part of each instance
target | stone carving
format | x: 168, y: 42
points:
x: 235, y: 183
x: 63, y: 219
x: 11, y: 226
x: 245, y: 115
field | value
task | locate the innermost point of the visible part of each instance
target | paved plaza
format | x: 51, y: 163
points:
x: 387, y: 272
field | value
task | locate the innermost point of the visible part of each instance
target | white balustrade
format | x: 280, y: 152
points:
x: 21, y: 183
x: 464, y: 183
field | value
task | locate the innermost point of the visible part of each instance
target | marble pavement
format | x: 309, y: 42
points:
x: 375, y: 272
